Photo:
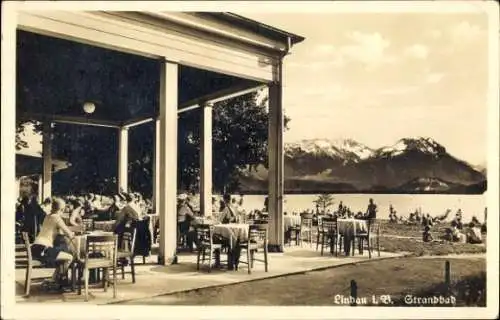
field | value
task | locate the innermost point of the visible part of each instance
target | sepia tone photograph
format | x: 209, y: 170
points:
x: 337, y: 155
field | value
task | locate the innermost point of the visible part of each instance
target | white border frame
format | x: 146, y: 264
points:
x: 49, y: 311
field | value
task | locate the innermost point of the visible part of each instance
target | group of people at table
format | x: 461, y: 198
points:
x: 54, y: 225
x: 58, y: 221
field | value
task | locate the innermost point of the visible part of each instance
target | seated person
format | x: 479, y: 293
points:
x: 76, y: 214
x: 127, y: 215
x: 229, y: 213
x: 426, y: 235
x: 47, y: 249
x: 473, y: 234
x: 115, y: 207
x: 455, y: 234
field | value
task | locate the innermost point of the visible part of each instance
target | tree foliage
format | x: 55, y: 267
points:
x: 239, y: 141
x: 324, y: 201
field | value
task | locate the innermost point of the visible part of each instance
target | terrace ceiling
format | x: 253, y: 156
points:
x: 55, y: 77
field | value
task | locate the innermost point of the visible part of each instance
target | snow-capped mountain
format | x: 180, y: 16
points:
x: 424, y: 145
x: 346, y: 149
x: 410, y: 165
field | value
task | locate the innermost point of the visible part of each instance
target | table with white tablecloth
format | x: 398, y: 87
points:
x: 291, y: 221
x: 234, y: 233
x: 349, y: 228
x: 79, y: 243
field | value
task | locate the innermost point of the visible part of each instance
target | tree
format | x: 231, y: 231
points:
x: 324, y: 201
x: 240, y: 131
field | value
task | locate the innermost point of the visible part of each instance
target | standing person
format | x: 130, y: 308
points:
x: 371, y: 211
x: 33, y: 217
x: 185, y: 217
x: 341, y: 207
x: 48, y: 249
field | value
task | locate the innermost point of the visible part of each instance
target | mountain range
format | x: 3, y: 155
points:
x: 411, y: 165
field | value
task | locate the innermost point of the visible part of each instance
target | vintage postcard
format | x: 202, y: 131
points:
x: 229, y: 159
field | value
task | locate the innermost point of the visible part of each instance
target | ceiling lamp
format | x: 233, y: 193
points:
x: 89, y: 107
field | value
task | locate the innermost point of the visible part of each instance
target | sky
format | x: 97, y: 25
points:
x: 380, y: 77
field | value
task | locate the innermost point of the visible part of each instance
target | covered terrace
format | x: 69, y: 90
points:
x: 191, y: 61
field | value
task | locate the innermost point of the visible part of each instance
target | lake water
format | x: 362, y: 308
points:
x: 471, y: 205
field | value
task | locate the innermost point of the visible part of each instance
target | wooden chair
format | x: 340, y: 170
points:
x: 24, y: 259
x: 319, y: 231
x: 306, y: 229
x: 368, y: 237
x: 329, y: 232
x: 100, y: 253
x: 206, y: 243
x: 257, y: 240
x: 126, y: 253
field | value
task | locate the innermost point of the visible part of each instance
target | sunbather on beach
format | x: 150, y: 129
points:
x: 473, y: 234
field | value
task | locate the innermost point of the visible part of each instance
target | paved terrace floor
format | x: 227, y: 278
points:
x: 154, y: 280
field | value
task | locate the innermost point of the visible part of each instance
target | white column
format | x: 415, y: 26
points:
x: 40, y: 189
x: 168, y: 163
x: 275, y: 154
x: 206, y: 160
x: 156, y: 169
x: 123, y: 159
x: 8, y: 158
x: 47, y: 159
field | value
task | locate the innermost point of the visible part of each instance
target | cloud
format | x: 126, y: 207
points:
x: 368, y: 48
x: 417, y: 51
x: 434, y: 78
x: 465, y: 32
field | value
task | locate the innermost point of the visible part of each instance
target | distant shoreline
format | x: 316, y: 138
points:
x: 357, y: 192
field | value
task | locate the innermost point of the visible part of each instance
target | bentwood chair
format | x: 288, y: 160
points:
x: 206, y: 243
x: 371, y: 237
x: 126, y: 250
x: 257, y: 240
x: 329, y: 234
x: 100, y: 253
